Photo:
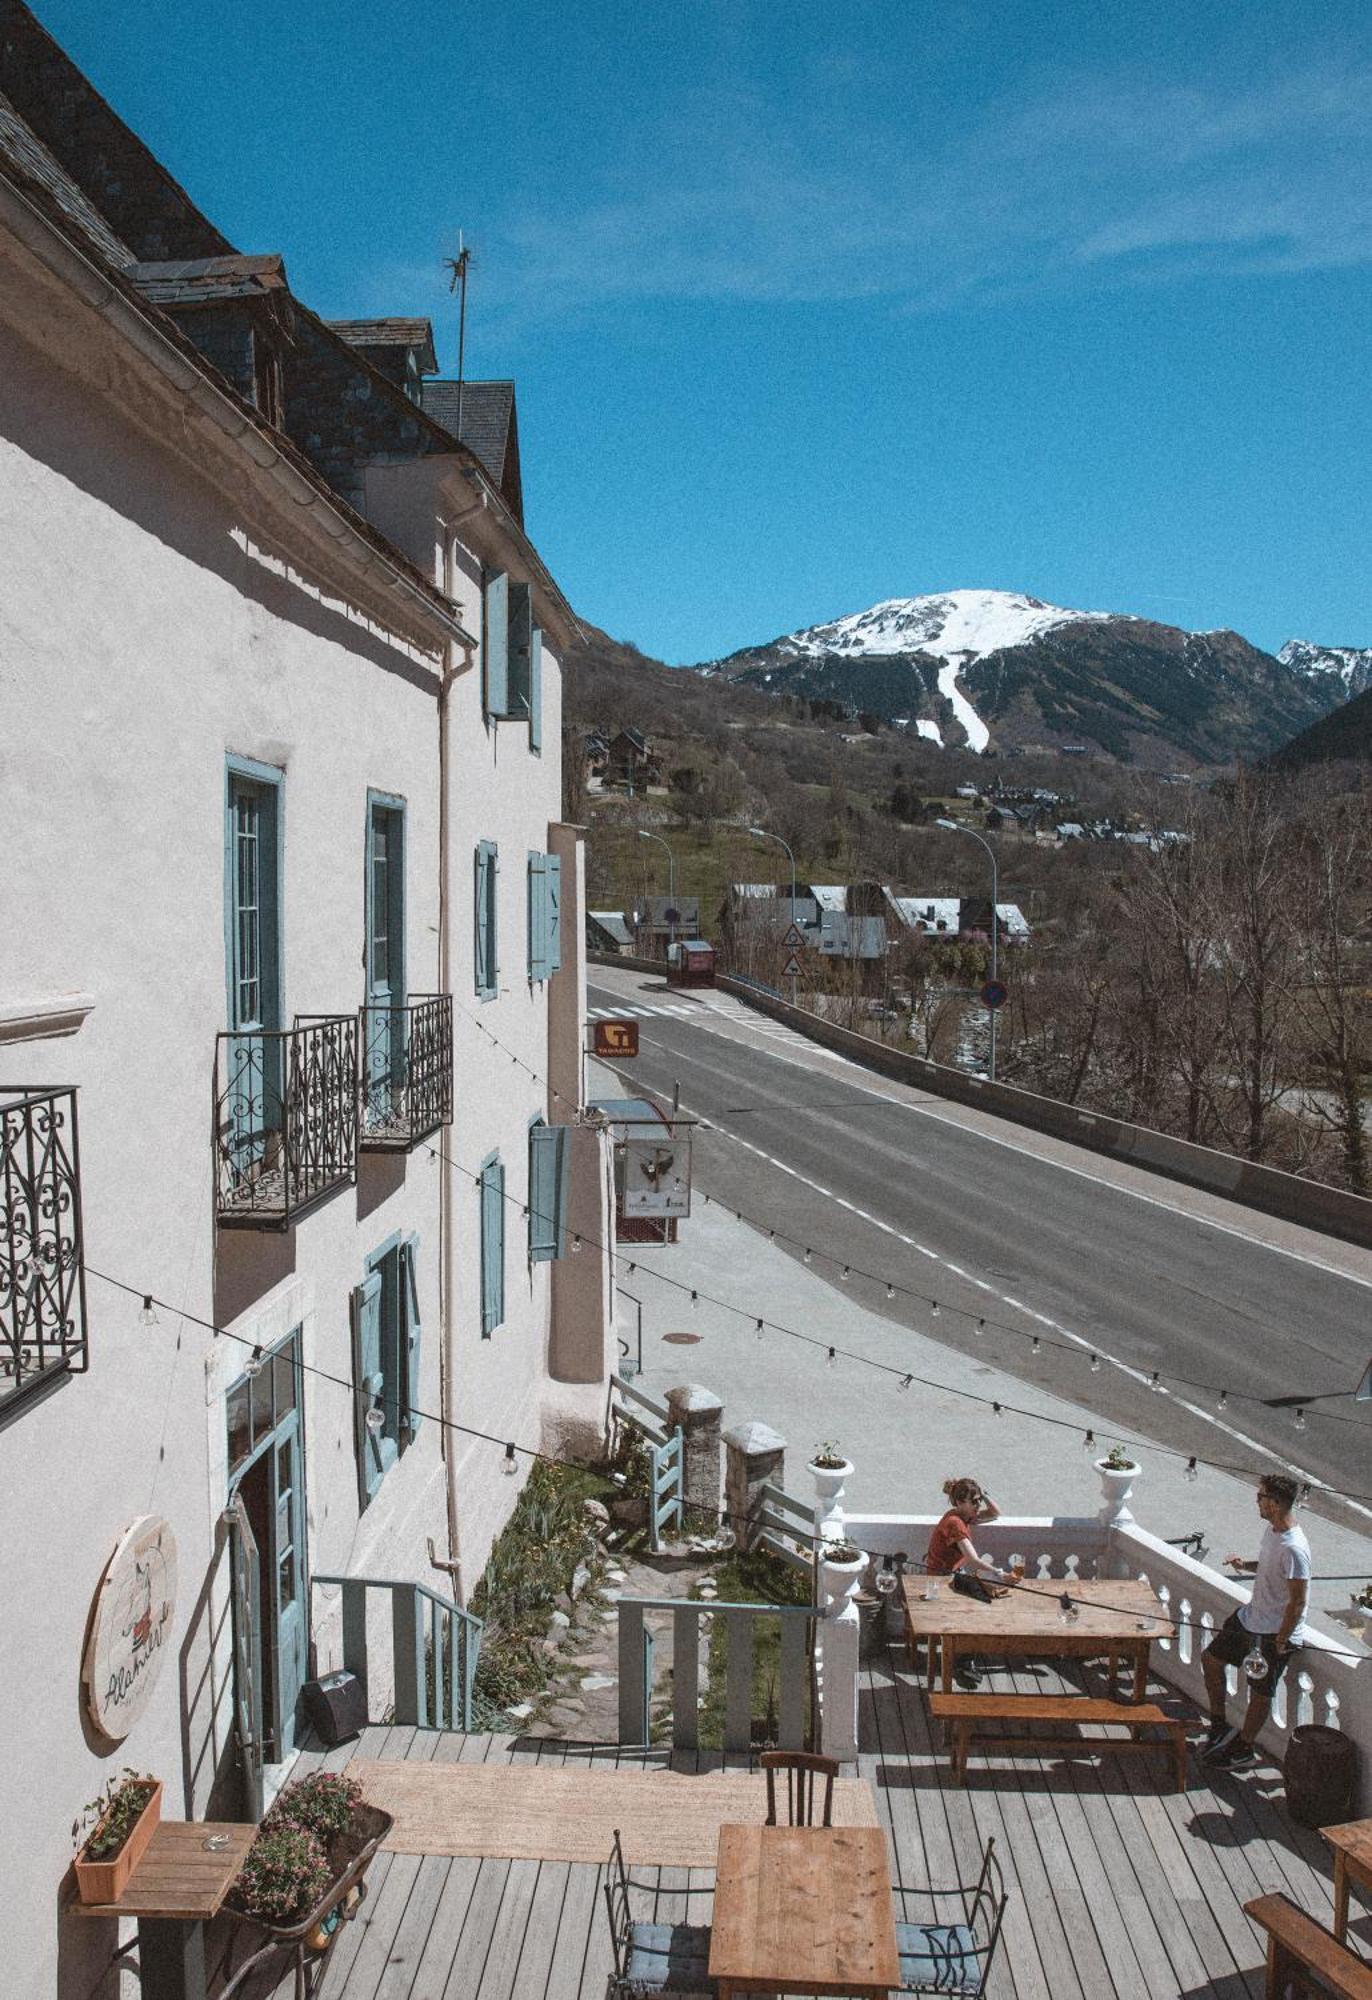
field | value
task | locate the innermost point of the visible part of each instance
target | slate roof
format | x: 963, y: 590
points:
x: 186, y: 281
x: 25, y: 151
x: 390, y: 333
x: 487, y: 418
x: 613, y: 925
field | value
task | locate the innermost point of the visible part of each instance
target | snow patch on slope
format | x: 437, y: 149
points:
x: 1351, y: 666
x: 978, y: 735
x: 965, y: 624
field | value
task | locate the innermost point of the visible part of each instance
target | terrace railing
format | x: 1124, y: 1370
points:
x: 406, y: 1072
x: 42, y: 1278
x: 285, y: 1128
x: 690, y: 1621
x: 434, y: 1646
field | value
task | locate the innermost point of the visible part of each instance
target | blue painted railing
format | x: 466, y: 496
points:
x: 636, y: 1670
x: 434, y: 1646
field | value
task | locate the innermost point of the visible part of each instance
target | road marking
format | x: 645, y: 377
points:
x: 1140, y: 1375
x: 940, y: 1116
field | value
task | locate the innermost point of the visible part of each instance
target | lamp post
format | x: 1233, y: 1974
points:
x: 953, y: 826
x: 765, y: 833
x: 644, y: 834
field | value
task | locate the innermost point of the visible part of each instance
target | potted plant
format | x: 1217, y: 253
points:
x: 844, y: 1563
x: 828, y: 1468
x: 1117, y: 1471
x: 121, y: 1821
x: 303, y: 1877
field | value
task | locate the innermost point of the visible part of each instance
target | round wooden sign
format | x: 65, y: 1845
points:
x: 131, y: 1625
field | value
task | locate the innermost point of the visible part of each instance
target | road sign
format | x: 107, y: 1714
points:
x: 791, y: 969
x: 994, y: 994
x: 793, y: 939
x: 671, y: 915
x: 616, y: 1038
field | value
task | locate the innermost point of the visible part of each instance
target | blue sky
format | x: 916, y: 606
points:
x: 811, y: 305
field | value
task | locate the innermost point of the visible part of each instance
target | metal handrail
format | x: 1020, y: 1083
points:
x: 435, y: 1668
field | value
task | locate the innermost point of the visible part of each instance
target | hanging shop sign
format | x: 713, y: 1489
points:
x: 615, y: 1038
x: 657, y: 1177
x: 131, y: 1625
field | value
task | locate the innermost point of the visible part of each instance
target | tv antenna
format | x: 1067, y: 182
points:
x: 457, y: 282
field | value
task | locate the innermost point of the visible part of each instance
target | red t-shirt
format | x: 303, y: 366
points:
x: 945, y: 1553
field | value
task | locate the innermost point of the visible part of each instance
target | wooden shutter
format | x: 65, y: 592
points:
x: 549, y: 1162
x: 538, y: 915
x: 552, y: 883
x: 495, y: 642
x: 411, y: 1336
x: 486, y: 964
x: 536, y: 691
x: 368, y: 1383
x: 521, y: 624
x: 492, y: 1246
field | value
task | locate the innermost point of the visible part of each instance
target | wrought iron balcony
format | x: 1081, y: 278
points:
x: 407, y: 1072
x: 42, y: 1279
x: 285, y: 1127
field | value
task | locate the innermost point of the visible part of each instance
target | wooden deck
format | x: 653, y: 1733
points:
x: 1121, y: 1887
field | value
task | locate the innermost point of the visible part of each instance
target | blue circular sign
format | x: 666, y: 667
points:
x: 994, y: 994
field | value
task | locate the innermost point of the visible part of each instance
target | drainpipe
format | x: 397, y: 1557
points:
x: 447, y: 1254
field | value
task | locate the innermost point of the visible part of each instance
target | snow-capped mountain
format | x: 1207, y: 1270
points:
x: 995, y: 669
x: 1349, y: 666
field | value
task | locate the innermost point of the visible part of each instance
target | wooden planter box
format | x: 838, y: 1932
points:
x: 106, y: 1881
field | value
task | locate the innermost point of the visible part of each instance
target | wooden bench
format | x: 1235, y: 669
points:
x: 963, y: 1712
x: 1297, y: 1944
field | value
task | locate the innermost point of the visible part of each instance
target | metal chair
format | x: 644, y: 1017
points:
x: 652, y: 1957
x: 941, y: 1957
x: 801, y: 1768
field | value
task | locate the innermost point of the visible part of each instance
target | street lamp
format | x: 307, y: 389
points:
x: 765, y: 833
x: 644, y: 834
x: 955, y: 826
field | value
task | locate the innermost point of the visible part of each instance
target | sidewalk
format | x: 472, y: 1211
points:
x: 904, y: 1444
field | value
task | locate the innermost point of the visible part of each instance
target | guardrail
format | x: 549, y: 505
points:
x: 778, y: 1536
x: 434, y: 1649
x: 636, y: 1670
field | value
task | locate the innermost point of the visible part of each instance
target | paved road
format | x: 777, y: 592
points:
x: 1032, y: 1236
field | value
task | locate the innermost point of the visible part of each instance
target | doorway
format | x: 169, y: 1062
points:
x: 270, y: 1577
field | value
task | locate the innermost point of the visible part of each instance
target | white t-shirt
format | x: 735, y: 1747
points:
x: 1280, y: 1558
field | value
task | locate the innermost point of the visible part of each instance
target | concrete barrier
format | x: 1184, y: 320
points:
x: 1314, y: 1204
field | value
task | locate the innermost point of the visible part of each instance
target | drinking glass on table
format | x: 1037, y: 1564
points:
x: 1016, y: 1568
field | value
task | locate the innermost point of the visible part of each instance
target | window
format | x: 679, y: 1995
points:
x: 491, y: 1190
x: 549, y: 1162
x: 258, y: 1403
x: 252, y: 876
x: 495, y: 642
x: 545, y: 911
x: 387, y: 1339
x: 487, y: 959
x: 383, y: 1052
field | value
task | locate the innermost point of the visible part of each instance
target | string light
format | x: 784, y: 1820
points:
x: 253, y: 1365
x: 1191, y: 1474
x: 1067, y: 1610
x: 1155, y: 1382
x: 695, y: 1298
x: 1300, y: 1420
x: 995, y: 1409
x: 831, y: 1360
x: 375, y: 1421
x: 890, y: 1291
x: 809, y: 1255
x: 1224, y: 1399
x: 1036, y: 1345
x: 759, y: 1329
x: 576, y: 1245
x: 511, y: 1465
x: 1095, y: 1364
x: 980, y: 1328
x: 846, y: 1273
x: 1088, y: 1443
x: 933, y: 1309
x: 147, y: 1317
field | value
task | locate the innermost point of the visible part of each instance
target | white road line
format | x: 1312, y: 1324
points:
x: 1027, y: 1151
x: 1127, y: 1368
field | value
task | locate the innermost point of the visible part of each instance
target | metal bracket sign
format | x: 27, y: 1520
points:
x: 616, y: 1038
x: 791, y: 969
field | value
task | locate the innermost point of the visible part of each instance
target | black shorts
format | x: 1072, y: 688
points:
x: 1232, y: 1644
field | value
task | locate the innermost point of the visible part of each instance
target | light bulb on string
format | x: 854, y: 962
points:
x: 253, y: 1365
x: 1255, y: 1664
x: 980, y: 1328
x: 1300, y: 1423
x: 375, y: 1420
x: 759, y: 1329
x: 809, y: 1255
x: 1088, y: 1443
x: 933, y: 1310
x: 1192, y: 1473
x: 695, y: 1298
x: 831, y: 1359
x: 576, y: 1245
x: 846, y: 1273
x: 890, y: 1291
x: 1095, y: 1364
x: 511, y: 1464
x: 1036, y: 1345
x: 905, y: 1381
x: 995, y: 1409
x: 1155, y: 1382
x: 1224, y: 1399
x: 148, y: 1314
x: 1067, y: 1610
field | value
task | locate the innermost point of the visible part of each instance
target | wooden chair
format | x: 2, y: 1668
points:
x: 938, y: 1956
x: 802, y: 1769
x: 652, y: 1957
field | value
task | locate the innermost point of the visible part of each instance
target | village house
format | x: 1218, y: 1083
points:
x: 294, y: 934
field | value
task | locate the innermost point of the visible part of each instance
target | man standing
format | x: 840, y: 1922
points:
x: 1271, y: 1624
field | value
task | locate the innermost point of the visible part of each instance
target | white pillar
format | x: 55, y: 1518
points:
x: 837, y: 1642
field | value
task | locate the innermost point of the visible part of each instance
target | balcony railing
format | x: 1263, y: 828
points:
x: 42, y: 1279
x: 406, y: 1081
x: 285, y: 1127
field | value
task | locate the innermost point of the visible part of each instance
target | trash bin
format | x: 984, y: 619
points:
x: 1320, y: 1770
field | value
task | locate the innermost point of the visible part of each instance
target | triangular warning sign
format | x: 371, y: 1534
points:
x: 791, y: 969
x: 793, y: 939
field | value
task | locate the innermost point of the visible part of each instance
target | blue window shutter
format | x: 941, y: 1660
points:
x: 549, y: 1162
x: 492, y: 1245
x: 487, y: 969
x: 552, y: 883
x: 538, y: 915
x: 521, y: 625
x: 496, y: 642
x: 536, y: 690
x: 411, y: 1335
x: 368, y: 1383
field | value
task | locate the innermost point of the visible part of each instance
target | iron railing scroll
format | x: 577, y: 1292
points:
x: 285, y: 1127
x: 42, y: 1277
x: 406, y: 1072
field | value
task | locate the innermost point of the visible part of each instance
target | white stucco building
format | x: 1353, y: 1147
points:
x: 288, y: 906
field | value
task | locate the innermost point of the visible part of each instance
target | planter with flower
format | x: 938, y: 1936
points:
x: 829, y: 1469
x: 1117, y: 1471
x: 112, y: 1834
x: 844, y: 1563
x: 303, y: 1878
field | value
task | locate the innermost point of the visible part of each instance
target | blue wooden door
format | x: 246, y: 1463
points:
x: 291, y: 1637
x: 385, y: 961
x: 254, y: 997
x: 266, y: 1515
x: 244, y: 1588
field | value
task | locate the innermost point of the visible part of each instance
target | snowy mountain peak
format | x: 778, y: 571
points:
x: 1350, y: 665
x: 961, y: 625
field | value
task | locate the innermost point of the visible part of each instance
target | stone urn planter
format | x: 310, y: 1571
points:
x: 843, y: 1572
x: 1117, y: 1475
x: 829, y: 1473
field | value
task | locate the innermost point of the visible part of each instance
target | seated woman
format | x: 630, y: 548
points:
x: 952, y: 1552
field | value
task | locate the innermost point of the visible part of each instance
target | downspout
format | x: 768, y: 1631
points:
x: 447, y: 1252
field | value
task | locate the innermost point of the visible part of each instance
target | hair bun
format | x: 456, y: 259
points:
x: 949, y: 1484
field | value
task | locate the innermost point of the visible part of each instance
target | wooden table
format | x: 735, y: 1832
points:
x: 173, y: 1892
x: 1118, y: 1617
x: 803, y: 1909
x: 1352, y: 1845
